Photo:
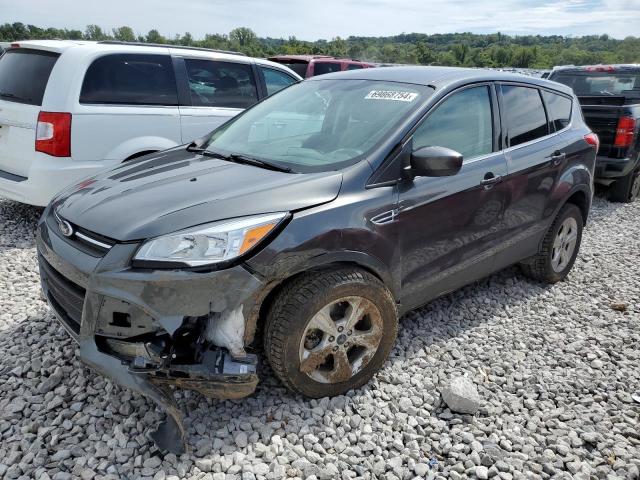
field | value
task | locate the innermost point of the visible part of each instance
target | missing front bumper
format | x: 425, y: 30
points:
x: 149, y: 331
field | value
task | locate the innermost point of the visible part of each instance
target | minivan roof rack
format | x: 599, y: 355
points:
x: 168, y: 45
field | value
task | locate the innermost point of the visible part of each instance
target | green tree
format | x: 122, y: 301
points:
x: 243, y: 36
x: 124, y: 34
x: 94, y: 32
x: 460, y: 52
x: 154, y: 37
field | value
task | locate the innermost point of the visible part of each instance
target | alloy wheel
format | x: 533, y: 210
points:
x: 340, y: 340
x: 564, y: 244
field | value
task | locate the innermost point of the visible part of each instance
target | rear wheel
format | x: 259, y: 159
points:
x: 626, y: 189
x: 559, y: 248
x: 329, y: 332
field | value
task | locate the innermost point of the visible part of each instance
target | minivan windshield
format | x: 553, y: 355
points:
x: 24, y: 74
x: 320, y: 125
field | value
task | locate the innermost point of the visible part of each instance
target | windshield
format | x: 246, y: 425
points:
x: 320, y: 125
x: 24, y: 74
x: 601, y: 83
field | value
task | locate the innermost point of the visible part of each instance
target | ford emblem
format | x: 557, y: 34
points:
x: 65, y: 228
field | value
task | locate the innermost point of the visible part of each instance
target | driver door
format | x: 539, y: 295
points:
x: 450, y: 227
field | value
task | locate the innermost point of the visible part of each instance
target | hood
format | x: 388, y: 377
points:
x: 178, y: 189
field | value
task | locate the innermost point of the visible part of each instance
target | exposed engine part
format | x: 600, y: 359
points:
x: 226, y: 330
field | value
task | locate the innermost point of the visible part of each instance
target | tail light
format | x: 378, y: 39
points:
x: 601, y: 68
x: 593, y: 140
x: 624, y: 132
x: 53, y: 134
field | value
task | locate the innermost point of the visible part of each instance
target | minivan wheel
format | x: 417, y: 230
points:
x: 626, y: 189
x: 559, y: 248
x: 330, y: 331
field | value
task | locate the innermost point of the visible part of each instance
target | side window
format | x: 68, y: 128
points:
x: 558, y: 110
x: 276, y: 80
x: 354, y: 66
x: 526, y: 119
x: 130, y: 79
x: 320, y: 68
x: 221, y: 84
x: 463, y: 122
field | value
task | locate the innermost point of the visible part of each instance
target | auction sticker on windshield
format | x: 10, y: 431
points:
x: 391, y: 95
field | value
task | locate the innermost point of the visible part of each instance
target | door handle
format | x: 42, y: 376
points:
x: 557, y: 158
x: 490, y: 180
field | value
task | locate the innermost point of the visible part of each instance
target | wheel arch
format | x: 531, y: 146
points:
x: 581, y: 199
x: 255, y: 320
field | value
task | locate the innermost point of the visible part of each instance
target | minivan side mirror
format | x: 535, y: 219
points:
x: 435, y: 162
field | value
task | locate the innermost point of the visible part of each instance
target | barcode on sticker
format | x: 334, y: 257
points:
x: 391, y: 95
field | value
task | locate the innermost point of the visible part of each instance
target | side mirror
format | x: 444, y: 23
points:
x: 435, y: 162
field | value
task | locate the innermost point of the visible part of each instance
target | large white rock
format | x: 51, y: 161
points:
x: 461, y: 395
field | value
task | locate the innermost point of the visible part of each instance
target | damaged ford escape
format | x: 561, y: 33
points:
x: 306, y: 226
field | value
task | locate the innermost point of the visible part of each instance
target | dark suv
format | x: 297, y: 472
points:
x: 306, y: 226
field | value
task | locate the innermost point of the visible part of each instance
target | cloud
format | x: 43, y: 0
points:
x: 309, y: 19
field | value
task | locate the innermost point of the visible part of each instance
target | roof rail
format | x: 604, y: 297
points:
x: 168, y: 45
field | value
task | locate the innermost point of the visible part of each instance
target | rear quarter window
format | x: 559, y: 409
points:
x: 24, y: 74
x: 130, y: 79
x: 526, y: 119
x: 558, y: 110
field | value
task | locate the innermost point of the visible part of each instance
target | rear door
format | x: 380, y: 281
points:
x: 216, y: 91
x: 24, y: 74
x: 537, y: 151
x: 128, y: 104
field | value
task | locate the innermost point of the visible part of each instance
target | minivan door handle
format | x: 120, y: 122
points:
x: 490, y: 180
x: 557, y: 157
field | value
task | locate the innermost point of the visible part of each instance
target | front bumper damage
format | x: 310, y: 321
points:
x: 150, y: 330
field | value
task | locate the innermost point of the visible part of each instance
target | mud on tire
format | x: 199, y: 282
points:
x: 294, y: 313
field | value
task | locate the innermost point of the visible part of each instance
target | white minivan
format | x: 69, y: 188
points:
x: 70, y: 108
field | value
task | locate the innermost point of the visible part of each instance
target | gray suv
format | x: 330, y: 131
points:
x: 307, y: 225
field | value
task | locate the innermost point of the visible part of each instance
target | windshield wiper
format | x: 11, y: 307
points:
x: 246, y: 160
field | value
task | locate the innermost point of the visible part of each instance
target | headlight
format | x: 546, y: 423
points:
x: 210, y: 244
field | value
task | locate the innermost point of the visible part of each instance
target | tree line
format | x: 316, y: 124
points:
x: 455, y: 49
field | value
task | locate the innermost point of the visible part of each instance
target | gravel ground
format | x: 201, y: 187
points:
x: 555, y: 368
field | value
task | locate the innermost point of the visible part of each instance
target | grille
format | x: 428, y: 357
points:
x: 65, y: 296
x: 88, y: 242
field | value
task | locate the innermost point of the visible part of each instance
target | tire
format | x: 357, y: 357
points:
x: 290, y: 333
x: 541, y: 266
x: 626, y: 189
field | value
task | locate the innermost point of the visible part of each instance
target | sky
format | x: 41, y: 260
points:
x: 326, y: 19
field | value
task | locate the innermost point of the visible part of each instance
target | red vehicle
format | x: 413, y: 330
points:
x: 311, y: 65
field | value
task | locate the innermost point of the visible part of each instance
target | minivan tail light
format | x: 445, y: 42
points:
x: 53, y: 134
x: 624, y: 132
x: 593, y: 140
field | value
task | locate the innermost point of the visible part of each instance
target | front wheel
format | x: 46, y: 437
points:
x: 626, y: 189
x: 559, y: 248
x: 330, y: 331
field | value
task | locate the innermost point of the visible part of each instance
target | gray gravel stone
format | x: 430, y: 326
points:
x: 461, y: 395
x: 555, y: 368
